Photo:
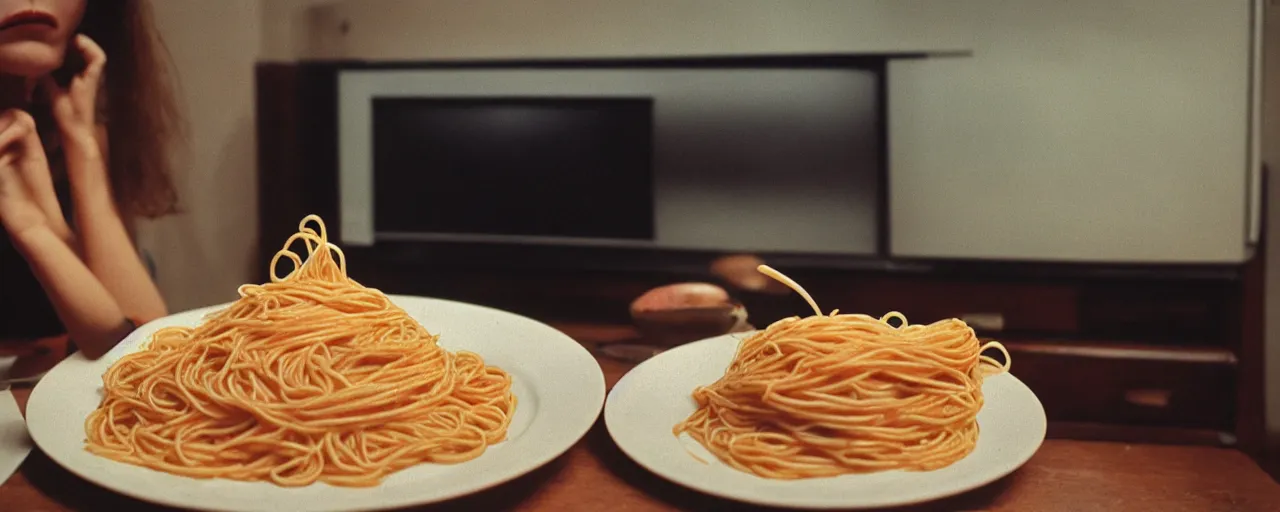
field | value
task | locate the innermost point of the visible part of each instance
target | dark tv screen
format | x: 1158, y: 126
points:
x: 541, y: 167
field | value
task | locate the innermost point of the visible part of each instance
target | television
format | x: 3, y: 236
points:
x: 660, y: 158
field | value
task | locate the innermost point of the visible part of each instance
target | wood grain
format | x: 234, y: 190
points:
x: 1065, y: 475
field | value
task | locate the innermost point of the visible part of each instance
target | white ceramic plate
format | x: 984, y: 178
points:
x: 648, y: 401
x: 558, y: 383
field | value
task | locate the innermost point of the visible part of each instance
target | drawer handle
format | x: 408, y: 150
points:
x: 1158, y: 398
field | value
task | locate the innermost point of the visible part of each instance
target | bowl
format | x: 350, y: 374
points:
x: 683, y: 312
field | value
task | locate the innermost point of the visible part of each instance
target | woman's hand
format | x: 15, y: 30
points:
x: 75, y: 107
x: 30, y: 213
x: 27, y: 198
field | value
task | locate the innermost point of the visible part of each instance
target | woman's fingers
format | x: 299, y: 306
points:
x: 24, y: 167
x: 95, y: 59
x: 15, y: 125
x: 84, y: 87
x: 18, y: 207
x: 74, y: 106
x: 22, y: 158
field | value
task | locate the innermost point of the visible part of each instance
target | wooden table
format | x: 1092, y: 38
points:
x: 1064, y: 475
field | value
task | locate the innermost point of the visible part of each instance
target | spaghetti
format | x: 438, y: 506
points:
x: 834, y: 394
x: 311, y: 377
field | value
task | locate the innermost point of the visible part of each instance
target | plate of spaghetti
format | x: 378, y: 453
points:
x: 313, y: 392
x: 829, y: 411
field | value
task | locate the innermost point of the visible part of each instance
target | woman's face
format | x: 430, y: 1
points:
x: 34, y: 34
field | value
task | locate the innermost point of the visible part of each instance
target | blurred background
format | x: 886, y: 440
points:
x: 1084, y: 180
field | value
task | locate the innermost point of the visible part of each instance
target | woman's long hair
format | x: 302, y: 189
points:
x: 137, y: 105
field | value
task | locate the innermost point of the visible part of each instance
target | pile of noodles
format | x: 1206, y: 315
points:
x: 311, y: 377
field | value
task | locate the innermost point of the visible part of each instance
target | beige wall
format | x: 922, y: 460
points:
x: 206, y: 252
x: 286, y: 28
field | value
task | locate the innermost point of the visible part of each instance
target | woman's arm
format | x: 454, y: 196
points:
x: 90, y: 314
x: 103, y: 238
x: 105, y: 242
x: 86, y: 308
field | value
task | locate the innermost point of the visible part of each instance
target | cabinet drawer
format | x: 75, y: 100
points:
x: 1130, y: 385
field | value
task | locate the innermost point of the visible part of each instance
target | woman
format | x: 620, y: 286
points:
x: 83, y: 153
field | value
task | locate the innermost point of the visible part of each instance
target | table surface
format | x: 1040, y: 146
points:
x: 1064, y: 475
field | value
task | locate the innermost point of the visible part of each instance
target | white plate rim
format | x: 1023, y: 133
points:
x: 583, y: 409
x: 642, y: 454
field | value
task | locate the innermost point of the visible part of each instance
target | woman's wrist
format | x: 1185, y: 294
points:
x: 84, y: 157
x: 92, y: 197
x: 30, y: 239
x: 86, y: 168
x: 81, y: 144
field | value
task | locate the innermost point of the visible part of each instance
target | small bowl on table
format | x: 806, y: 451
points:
x: 680, y: 313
